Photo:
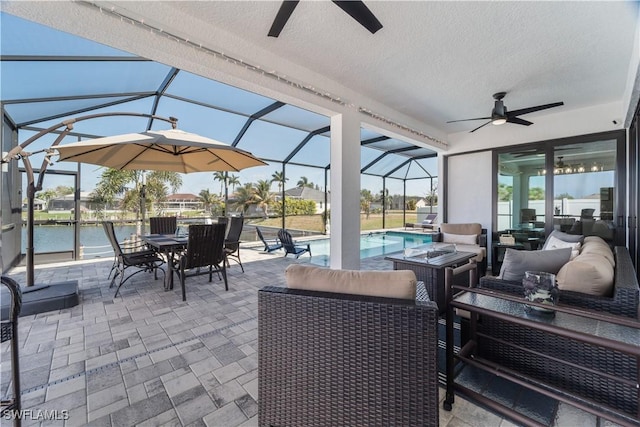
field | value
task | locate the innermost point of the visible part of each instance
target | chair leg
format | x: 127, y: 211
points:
x: 184, y: 290
x: 240, y: 262
x: 224, y: 276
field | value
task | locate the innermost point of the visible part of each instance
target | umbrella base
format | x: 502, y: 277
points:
x: 41, y: 298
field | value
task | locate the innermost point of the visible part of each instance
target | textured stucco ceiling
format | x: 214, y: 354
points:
x: 432, y: 61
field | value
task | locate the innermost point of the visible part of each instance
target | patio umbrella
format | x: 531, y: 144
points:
x: 167, y: 150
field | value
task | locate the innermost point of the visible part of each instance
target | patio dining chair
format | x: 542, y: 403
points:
x: 232, y: 241
x: 163, y: 224
x: 205, y: 248
x: 291, y: 247
x: 270, y: 245
x: 142, y: 260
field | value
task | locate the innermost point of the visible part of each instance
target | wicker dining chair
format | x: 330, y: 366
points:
x: 163, y: 224
x: 143, y: 260
x: 232, y: 241
x: 205, y: 248
x: 9, y: 328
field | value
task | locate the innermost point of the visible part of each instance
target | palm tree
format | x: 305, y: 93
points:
x: 222, y: 177
x: 233, y: 180
x: 114, y: 182
x: 385, y: 198
x: 157, y: 183
x: 278, y: 176
x: 304, y: 182
x: 244, y: 197
x: 262, y: 195
x: 365, y: 201
x: 208, y: 199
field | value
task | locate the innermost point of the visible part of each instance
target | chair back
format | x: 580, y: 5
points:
x: 587, y: 213
x: 163, y: 224
x: 430, y: 218
x: 527, y: 215
x: 205, y: 246
x: 286, y: 239
x: 111, y: 235
x: 260, y: 236
x: 235, y: 229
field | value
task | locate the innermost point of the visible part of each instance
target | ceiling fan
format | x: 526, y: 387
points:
x: 356, y: 9
x: 500, y: 115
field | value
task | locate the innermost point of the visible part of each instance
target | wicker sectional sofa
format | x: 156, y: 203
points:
x: 337, y: 359
x: 558, y: 359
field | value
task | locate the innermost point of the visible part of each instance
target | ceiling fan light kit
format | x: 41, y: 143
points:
x: 500, y: 115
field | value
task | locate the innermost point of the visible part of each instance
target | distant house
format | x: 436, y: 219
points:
x: 180, y: 202
x: 38, y: 204
x: 308, y: 193
x: 67, y: 202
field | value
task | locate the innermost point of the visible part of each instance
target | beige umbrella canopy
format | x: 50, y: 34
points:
x: 167, y: 150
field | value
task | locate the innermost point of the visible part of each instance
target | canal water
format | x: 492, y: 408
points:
x: 54, y: 238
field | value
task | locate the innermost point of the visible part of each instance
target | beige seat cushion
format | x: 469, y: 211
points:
x: 476, y: 249
x: 388, y: 283
x: 471, y: 228
x: 588, y: 273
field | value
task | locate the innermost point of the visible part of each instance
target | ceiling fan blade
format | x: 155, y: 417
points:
x: 481, y: 126
x: 466, y: 120
x: 519, y: 121
x: 533, y: 109
x: 285, y: 11
x: 361, y: 13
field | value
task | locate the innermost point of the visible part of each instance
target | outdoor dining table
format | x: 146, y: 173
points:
x: 168, y: 245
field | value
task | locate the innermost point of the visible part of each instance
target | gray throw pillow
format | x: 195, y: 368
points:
x: 517, y: 262
x: 565, y: 237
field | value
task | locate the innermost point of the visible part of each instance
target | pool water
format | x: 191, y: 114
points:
x: 372, y: 244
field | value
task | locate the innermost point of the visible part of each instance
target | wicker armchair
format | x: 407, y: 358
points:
x: 329, y: 359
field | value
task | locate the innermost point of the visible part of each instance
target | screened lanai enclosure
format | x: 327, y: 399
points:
x: 49, y: 76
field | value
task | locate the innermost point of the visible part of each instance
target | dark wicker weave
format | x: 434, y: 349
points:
x: 163, y: 224
x: 625, y: 300
x: 205, y: 248
x: 9, y: 332
x: 232, y: 241
x: 327, y: 359
x: 506, y: 344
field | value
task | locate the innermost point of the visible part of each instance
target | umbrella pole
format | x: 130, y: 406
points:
x: 143, y: 205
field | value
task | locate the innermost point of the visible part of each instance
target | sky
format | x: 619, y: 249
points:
x: 264, y: 139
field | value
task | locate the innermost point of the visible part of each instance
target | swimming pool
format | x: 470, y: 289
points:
x: 372, y: 244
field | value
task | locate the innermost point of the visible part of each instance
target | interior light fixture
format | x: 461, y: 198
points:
x: 499, y: 121
x: 594, y: 168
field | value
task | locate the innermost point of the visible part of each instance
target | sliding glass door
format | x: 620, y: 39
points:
x: 575, y: 185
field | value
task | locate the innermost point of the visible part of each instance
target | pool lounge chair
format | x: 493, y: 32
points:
x: 291, y: 247
x: 427, y: 224
x: 270, y: 245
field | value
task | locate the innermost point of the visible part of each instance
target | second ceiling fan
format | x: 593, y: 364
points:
x: 356, y: 9
x: 500, y: 115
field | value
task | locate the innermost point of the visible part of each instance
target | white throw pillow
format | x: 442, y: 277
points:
x: 555, y: 243
x: 461, y: 239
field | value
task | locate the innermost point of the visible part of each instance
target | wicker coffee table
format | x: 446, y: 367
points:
x: 584, y: 358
